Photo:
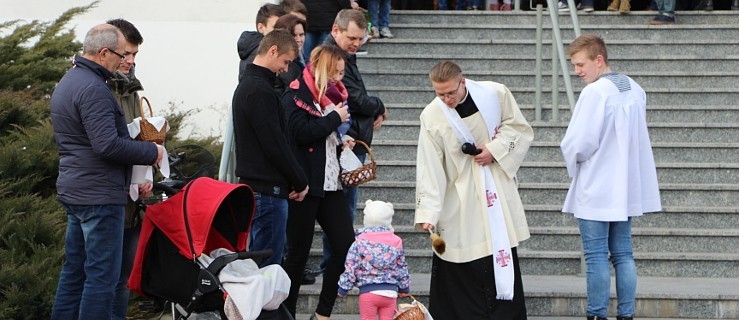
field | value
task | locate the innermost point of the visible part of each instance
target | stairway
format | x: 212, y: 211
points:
x: 687, y: 256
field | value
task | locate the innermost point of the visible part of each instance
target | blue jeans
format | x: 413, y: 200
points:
x: 89, y: 275
x: 380, y: 13
x: 130, y: 243
x: 462, y: 4
x: 268, y: 229
x: 312, y: 40
x: 666, y: 7
x: 351, y: 195
x: 598, y: 239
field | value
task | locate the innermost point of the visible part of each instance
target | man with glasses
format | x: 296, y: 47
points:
x: 472, y: 141
x: 95, y: 158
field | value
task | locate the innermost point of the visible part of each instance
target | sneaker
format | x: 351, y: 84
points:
x: 374, y: 33
x: 362, y: 51
x: 662, y: 20
x: 562, y: 6
x: 385, y: 33
x: 588, y: 9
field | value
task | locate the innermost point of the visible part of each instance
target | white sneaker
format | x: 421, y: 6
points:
x: 385, y: 33
x: 563, y: 7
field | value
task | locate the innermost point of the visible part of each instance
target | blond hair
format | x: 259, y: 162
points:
x: 445, y: 71
x: 323, y: 62
x: 592, y: 44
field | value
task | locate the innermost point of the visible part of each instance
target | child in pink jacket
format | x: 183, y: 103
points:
x: 376, y: 264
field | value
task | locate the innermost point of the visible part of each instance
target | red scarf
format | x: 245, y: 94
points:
x: 324, y: 101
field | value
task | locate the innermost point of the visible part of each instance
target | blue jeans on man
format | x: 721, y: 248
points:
x: 598, y: 239
x: 93, y: 245
x: 380, y: 13
x: 666, y: 7
x: 130, y: 244
x: 351, y: 195
x: 268, y: 228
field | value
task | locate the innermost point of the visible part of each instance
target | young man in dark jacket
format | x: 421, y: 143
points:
x: 321, y: 14
x: 264, y: 158
x: 248, y: 42
x: 95, y: 158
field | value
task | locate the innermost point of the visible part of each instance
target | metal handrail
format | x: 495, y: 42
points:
x: 558, y: 55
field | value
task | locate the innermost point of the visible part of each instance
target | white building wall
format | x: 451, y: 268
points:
x: 189, y: 51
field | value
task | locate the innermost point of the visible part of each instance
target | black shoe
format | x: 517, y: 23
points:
x: 308, y: 278
x: 597, y: 318
x: 624, y: 318
x: 662, y: 20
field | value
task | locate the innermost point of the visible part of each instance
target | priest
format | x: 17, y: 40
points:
x: 472, y: 141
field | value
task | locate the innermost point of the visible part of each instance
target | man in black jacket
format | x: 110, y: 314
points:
x: 367, y: 112
x: 264, y: 158
x: 95, y: 158
x: 248, y: 42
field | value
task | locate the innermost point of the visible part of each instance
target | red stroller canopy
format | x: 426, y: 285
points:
x: 207, y: 214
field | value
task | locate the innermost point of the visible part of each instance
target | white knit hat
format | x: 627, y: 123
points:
x: 378, y: 213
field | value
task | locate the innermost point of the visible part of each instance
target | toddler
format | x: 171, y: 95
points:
x: 376, y: 264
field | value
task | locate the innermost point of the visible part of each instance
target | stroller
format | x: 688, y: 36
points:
x: 205, y: 215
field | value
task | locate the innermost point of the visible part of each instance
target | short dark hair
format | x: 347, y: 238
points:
x: 281, y: 38
x: 269, y: 10
x: 294, y: 6
x: 289, y: 21
x: 129, y: 31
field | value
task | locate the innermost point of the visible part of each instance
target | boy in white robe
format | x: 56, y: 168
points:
x: 609, y: 157
x: 475, y: 277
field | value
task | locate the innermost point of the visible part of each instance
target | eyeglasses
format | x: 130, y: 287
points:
x: 116, y: 53
x: 451, y: 94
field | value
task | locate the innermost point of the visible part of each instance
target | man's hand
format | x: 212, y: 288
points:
x: 298, y: 196
x: 485, y: 157
x: 378, y: 121
x: 145, y: 188
x: 355, y: 5
x: 427, y: 226
x: 160, y: 153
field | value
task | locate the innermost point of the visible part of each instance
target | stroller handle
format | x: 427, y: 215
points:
x: 261, y: 254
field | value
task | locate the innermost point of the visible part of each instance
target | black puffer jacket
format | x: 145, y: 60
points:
x: 321, y: 13
x: 364, y: 108
x: 95, y: 149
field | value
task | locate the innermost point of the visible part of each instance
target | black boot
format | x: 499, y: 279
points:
x: 706, y: 5
x: 597, y: 318
x: 625, y: 318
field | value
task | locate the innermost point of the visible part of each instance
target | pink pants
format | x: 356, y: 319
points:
x: 372, y: 305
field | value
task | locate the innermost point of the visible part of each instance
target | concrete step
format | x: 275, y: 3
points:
x: 543, y: 151
x: 495, y: 30
x: 529, y: 18
x: 679, y: 114
x: 523, y: 78
x: 564, y: 297
x: 549, y: 131
x: 708, y: 48
x: 669, y: 264
x: 554, y: 171
x: 716, y: 195
x: 423, y: 93
x: 550, y: 216
x: 656, y: 240
x: 527, y: 61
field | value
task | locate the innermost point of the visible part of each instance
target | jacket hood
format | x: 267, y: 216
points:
x: 248, y: 43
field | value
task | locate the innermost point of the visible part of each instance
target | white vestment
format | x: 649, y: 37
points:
x: 608, y: 154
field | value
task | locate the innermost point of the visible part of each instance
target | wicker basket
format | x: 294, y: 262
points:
x: 148, y: 131
x: 413, y: 313
x: 367, y: 172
